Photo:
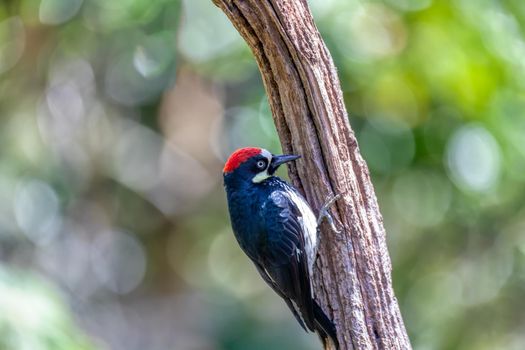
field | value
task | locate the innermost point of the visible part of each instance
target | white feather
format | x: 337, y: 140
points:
x: 309, y: 224
x: 263, y: 175
x: 266, y: 154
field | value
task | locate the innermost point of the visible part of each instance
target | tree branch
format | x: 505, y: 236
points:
x: 353, y: 281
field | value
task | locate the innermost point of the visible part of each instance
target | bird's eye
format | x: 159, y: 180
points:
x: 261, y: 164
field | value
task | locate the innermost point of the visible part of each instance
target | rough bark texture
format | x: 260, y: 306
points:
x: 353, y: 283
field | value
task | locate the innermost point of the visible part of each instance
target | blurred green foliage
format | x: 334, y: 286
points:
x: 33, y: 316
x: 116, y: 118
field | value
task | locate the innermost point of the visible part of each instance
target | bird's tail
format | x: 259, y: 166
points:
x: 324, y: 326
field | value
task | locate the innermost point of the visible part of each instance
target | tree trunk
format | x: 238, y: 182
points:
x: 353, y: 281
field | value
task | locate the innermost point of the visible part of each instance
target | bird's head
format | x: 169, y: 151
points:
x: 254, y: 164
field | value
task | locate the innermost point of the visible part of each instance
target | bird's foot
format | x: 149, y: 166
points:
x: 325, y: 214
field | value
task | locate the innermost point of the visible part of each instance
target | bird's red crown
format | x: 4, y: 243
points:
x: 240, y: 156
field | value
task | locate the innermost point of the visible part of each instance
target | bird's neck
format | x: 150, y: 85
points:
x: 233, y: 184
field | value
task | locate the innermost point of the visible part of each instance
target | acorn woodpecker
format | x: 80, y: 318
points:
x: 277, y: 229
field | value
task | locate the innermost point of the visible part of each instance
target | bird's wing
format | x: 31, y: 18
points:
x: 276, y: 288
x: 283, y: 261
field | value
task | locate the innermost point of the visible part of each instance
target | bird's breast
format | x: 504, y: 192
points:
x: 244, y: 209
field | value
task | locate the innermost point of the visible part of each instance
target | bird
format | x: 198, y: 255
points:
x: 277, y: 229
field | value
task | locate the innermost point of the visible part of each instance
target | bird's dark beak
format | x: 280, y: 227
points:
x: 278, y: 160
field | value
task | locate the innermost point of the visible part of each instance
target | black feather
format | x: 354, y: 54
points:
x: 269, y: 227
x: 324, y: 327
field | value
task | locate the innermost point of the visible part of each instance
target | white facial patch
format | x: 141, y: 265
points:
x: 266, y: 154
x: 263, y: 175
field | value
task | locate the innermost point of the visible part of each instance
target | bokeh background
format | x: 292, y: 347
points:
x: 116, y: 118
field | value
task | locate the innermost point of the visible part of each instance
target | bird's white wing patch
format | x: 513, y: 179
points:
x: 309, y: 224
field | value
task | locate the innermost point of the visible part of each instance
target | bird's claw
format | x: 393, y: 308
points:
x: 324, y: 213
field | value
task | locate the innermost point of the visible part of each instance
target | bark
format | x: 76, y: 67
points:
x: 353, y: 280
